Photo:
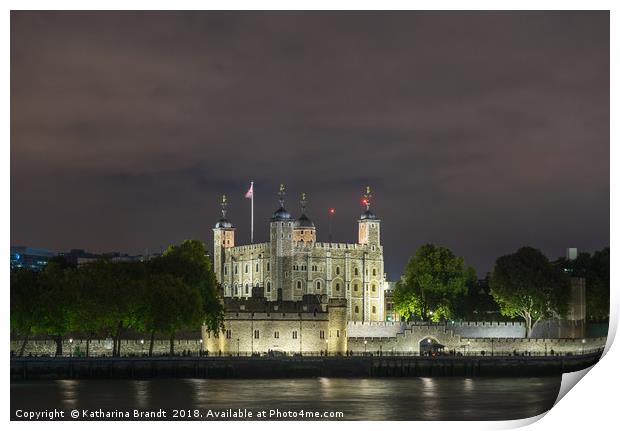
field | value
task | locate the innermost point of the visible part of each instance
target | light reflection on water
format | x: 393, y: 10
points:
x: 360, y: 399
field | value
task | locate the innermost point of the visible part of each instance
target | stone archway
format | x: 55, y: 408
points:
x: 429, y: 346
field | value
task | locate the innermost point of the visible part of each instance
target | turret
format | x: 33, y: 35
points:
x: 369, y: 231
x: 304, y: 230
x: 281, y: 244
x: 223, y: 238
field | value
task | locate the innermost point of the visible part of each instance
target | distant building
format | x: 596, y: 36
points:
x: 30, y: 258
x: 80, y: 257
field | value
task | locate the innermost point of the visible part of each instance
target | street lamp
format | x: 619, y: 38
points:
x: 237, y: 346
x: 583, y: 345
x: 365, y: 343
x: 468, y: 346
x: 71, y: 348
x: 326, y: 347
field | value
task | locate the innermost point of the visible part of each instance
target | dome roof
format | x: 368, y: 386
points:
x: 223, y: 223
x: 281, y: 215
x: 368, y: 215
x: 304, y: 221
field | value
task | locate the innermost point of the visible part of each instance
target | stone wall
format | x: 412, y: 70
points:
x: 409, y: 341
x: 103, y: 347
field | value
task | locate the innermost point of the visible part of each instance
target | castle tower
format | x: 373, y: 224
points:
x: 304, y: 230
x: 281, y: 246
x: 223, y: 238
x: 369, y: 231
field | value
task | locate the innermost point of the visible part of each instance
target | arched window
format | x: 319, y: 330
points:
x: 374, y: 288
x: 355, y: 287
x: 374, y: 271
x: 337, y: 270
x: 268, y: 266
x: 246, y: 268
x: 356, y: 271
x: 257, y: 267
x: 236, y: 290
x: 318, y: 285
x: 299, y: 284
x: 357, y: 309
x: 246, y: 289
x: 338, y: 286
x: 374, y: 309
x: 268, y: 287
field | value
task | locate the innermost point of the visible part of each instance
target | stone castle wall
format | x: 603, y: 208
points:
x: 103, y: 347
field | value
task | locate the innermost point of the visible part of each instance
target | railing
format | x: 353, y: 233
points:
x: 320, y: 354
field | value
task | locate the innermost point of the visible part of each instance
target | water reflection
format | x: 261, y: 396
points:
x: 358, y: 399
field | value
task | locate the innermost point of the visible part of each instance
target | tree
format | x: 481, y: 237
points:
x: 172, y: 305
x: 92, y: 284
x: 58, y: 297
x: 25, y: 303
x: 434, y: 279
x: 526, y: 284
x: 189, y: 262
x: 595, y: 269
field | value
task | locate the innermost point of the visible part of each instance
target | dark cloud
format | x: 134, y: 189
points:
x: 480, y: 131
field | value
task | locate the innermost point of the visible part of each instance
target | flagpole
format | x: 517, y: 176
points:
x: 252, y: 220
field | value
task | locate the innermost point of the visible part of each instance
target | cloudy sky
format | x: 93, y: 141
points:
x: 482, y: 132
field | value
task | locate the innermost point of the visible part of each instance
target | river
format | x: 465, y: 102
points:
x: 437, y: 398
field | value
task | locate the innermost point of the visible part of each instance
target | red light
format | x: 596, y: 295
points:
x: 332, y: 210
x: 365, y: 201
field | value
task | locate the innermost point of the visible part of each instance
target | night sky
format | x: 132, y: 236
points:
x: 482, y: 132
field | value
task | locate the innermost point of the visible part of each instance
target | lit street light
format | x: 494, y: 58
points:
x: 365, y: 343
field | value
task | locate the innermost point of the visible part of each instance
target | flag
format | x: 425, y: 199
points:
x: 250, y: 193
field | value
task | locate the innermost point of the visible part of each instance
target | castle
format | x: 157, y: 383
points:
x: 293, y: 264
x: 299, y: 296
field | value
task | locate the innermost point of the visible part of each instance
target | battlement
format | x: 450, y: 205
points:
x: 260, y: 247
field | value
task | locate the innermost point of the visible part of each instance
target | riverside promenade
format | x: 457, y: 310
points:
x: 295, y: 367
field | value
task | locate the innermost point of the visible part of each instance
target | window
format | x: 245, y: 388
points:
x: 276, y: 334
x: 268, y: 287
x: 318, y: 285
x: 337, y: 287
x: 322, y: 335
x: 256, y: 334
x: 337, y: 270
x: 294, y: 335
x: 357, y: 309
x: 246, y: 289
x: 225, y: 270
x: 236, y: 269
x: 337, y: 332
x: 314, y: 268
x: 268, y: 266
x: 236, y: 290
x: 374, y: 288
x: 257, y: 267
x: 355, y: 287
x: 355, y: 271
x: 374, y: 309
x: 374, y: 271
x: 228, y: 334
x: 246, y: 268
x: 299, y: 284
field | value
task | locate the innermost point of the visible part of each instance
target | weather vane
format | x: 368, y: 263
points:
x: 281, y: 193
x: 303, y: 202
x: 224, y: 204
x: 367, y: 196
